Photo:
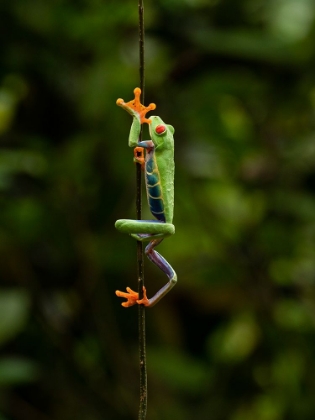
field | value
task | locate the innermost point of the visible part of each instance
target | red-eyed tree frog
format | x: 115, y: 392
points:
x: 158, y: 165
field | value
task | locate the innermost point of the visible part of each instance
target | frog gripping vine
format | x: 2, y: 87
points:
x: 158, y: 166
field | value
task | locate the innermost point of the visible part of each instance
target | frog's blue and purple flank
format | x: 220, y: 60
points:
x: 159, y: 168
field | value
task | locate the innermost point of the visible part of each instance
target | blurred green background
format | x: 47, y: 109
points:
x: 235, y: 340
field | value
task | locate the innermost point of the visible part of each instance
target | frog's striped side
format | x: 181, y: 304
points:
x: 154, y: 188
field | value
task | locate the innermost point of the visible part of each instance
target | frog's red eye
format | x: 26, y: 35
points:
x: 160, y: 129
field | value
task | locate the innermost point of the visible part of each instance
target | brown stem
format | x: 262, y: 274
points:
x: 141, y: 308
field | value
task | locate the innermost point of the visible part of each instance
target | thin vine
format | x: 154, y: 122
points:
x: 140, y: 263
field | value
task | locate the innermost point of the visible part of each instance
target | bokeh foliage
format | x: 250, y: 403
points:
x: 235, y: 339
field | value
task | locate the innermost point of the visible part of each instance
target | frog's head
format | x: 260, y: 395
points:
x: 159, y: 131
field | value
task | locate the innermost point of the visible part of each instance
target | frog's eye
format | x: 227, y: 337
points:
x: 160, y: 129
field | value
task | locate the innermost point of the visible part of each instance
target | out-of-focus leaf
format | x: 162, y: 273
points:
x: 236, y: 341
x: 17, y: 371
x: 293, y: 315
x: 288, y: 369
x: 292, y: 19
x: 25, y: 161
x: 264, y: 407
x: 238, y: 42
x: 14, y: 310
x: 179, y: 371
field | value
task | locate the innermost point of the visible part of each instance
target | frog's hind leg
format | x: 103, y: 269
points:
x: 145, y: 230
x: 153, y: 231
x: 161, y: 262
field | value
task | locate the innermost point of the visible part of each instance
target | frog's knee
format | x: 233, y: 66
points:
x: 170, y: 229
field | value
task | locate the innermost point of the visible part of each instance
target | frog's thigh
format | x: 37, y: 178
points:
x: 144, y: 226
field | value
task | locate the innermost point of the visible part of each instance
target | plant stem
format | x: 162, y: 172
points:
x: 141, y: 308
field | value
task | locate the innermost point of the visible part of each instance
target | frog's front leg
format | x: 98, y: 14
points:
x: 138, y: 112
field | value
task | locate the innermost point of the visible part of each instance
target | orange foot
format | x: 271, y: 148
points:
x: 138, y: 153
x: 136, y: 106
x: 133, y: 297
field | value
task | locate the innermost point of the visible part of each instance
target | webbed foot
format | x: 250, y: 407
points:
x: 138, y: 153
x: 133, y: 297
x: 135, y: 107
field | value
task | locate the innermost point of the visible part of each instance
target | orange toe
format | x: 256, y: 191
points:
x: 131, y: 297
